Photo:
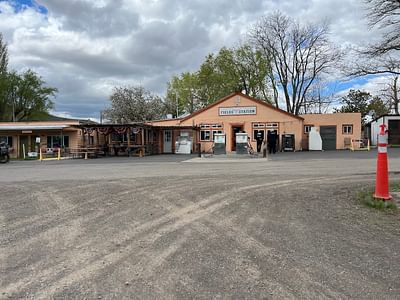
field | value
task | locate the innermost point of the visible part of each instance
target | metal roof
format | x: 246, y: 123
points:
x: 32, y: 127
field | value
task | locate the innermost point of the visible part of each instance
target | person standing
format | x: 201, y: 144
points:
x: 272, y: 136
x: 259, y: 139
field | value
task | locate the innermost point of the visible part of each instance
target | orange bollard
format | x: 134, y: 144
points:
x: 382, y: 174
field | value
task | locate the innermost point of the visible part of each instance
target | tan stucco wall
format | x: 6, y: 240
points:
x: 338, y: 120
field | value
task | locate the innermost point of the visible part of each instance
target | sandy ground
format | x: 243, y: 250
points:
x: 174, y: 227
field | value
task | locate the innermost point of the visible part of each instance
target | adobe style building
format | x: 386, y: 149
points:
x: 240, y: 113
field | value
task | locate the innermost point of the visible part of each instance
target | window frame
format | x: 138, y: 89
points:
x: 64, y: 141
x: 307, y: 126
x: 255, y: 134
x: 345, y: 132
x: 209, y: 135
x: 216, y: 131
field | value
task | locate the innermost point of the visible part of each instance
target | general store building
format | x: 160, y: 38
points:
x: 240, y: 113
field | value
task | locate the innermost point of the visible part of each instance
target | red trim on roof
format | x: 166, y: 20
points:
x: 241, y: 95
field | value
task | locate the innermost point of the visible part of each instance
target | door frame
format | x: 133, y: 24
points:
x: 233, y: 133
x: 165, y: 149
x: 336, y: 136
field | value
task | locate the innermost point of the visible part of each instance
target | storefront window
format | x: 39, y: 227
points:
x: 216, y: 131
x: 204, y: 135
x: 56, y: 141
x: 7, y: 139
x: 257, y: 133
x: 116, y: 137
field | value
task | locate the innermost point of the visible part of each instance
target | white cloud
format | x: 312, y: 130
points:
x: 85, y: 47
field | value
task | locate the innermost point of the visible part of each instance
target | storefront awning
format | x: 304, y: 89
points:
x: 32, y: 127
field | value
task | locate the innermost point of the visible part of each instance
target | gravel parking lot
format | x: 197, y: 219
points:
x: 179, y: 227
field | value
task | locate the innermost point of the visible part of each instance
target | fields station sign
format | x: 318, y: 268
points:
x: 243, y: 110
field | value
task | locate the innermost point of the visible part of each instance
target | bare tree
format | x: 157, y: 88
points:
x: 391, y: 93
x: 3, y: 56
x: 298, y: 54
x: 385, y: 14
x: 381, y: 57
x: 320, y: 99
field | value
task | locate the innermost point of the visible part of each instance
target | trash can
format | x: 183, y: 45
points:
x: 288, y: 142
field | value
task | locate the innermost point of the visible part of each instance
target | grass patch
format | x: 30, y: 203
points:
x: 366, y: 198
x: 395, y: 187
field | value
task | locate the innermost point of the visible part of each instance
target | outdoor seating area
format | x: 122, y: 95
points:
x: 102, y: 140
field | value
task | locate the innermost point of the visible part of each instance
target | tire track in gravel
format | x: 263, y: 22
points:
x: 65, y: 213
x: 149, y: 231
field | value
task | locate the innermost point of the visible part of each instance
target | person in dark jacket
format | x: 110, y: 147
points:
x: 259, y: 139
x: 271, y: 140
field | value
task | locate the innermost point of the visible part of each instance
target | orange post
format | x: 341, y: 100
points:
x: 382, y: 174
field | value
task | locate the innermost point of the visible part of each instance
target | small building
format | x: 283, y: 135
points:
x: 32, y: 135
x: 336, y: 130
x: 392, y: 123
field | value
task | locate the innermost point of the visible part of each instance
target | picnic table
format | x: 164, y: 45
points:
x: 129, y: 150
x: 86, y: 151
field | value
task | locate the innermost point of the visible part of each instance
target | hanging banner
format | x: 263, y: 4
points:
x: 88, y: 130
x: 231, y: 111
x: 135, y: 130
x: 104, y: 130
x: 120, y: 130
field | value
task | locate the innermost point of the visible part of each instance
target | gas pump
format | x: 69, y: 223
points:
x: 219, y: 143
x: 241, y: 143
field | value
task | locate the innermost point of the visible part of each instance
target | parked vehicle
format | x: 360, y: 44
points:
x: 4, y: 153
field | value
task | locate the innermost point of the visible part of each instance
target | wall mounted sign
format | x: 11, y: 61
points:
x: 232, y: 111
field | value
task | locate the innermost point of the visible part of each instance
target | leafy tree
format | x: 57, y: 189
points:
x: 231, y: 70
x: 23, y: 95
x: 134, y: 104
x: 299, y: 54
x: 364, y: 103
x: 377, y: 107
x: 27, y: 94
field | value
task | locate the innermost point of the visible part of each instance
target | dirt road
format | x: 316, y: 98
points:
x: 144, y: 229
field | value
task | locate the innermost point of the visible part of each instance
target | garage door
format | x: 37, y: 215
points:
x: 394, y: 132
x: 328, y: 136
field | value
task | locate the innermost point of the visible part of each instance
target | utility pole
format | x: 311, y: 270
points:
x: 177, y: 104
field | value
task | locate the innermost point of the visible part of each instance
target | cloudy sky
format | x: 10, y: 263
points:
x: 86, y: 47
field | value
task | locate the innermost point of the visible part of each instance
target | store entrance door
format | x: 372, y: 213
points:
x: 167, y: 141
x: 23, y: 145
x: 235, y: 129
